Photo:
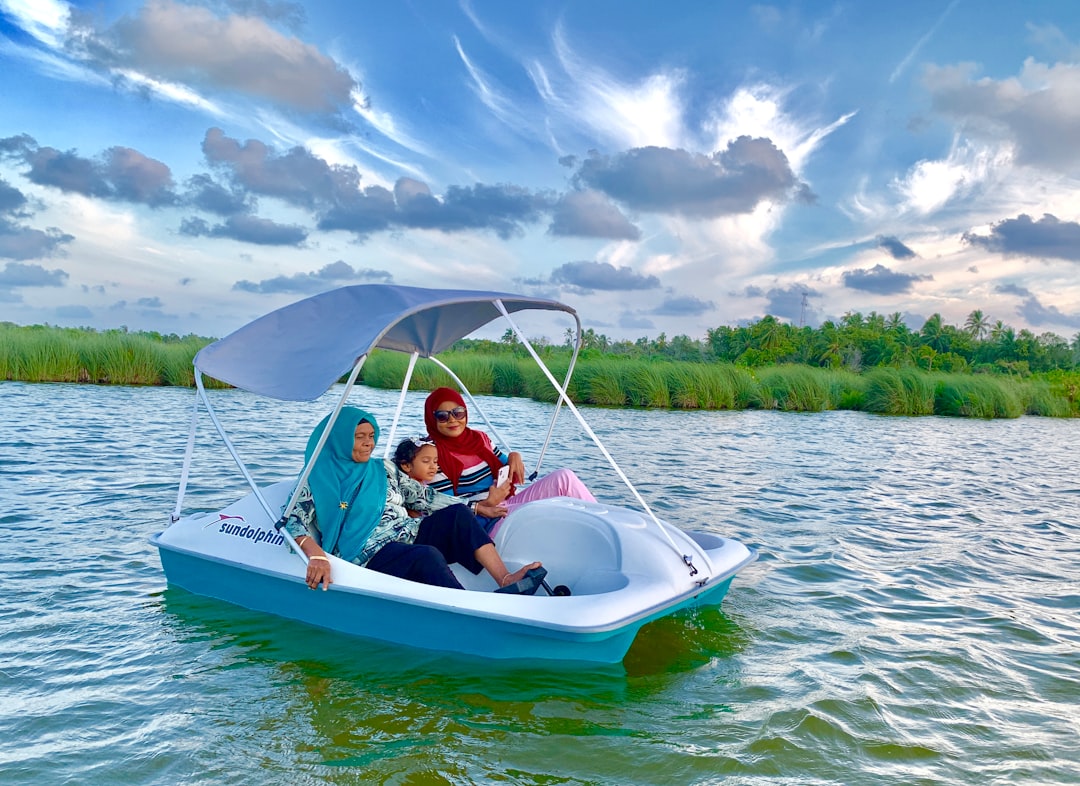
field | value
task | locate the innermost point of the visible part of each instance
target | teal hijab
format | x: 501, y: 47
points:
x: 350, y: 496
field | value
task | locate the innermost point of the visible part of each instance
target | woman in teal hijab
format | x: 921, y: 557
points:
x: 348, y: 488
x: 346, y: 510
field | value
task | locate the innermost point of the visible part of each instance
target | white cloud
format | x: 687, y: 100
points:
x: 758, y: 111
x: 45, y: 20
x: 647, y: 112
x: 172, y: 91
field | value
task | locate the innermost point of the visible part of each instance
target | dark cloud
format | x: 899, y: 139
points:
x: 881, y: 281
x: 12, y: 201
x: 370, y: 210
x: 137, y: 178
x: 333, y: 275
x: 591, y: 214
x: 186, y: 43
x: 1034, y: 111
x: 334, y: 193
x: 204, y: 193
x: 1037, y: 314
x: 296, y: 176
x: 604, y: 276
x: 1012, y: 289
x: 119, y: 173
x: 1047, y: 237
x: 896, y: 249
x: 503, y: 209
x: 16, y: 274
x: 683, y: 307
x: 247, y: 229
x: 143, y: 307
x: 18, y: 241
x: 662, y: 180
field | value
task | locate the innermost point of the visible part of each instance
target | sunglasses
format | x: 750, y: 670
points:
x: 457, y: 413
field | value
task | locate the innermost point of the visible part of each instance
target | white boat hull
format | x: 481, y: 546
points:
x: 622, y: 573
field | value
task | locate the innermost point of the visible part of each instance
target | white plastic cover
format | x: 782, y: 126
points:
x: 297, y: 352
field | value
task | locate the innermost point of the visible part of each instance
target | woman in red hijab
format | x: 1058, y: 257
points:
x: 469, y: 464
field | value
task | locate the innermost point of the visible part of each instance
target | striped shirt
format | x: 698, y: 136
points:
x: 475, y: 477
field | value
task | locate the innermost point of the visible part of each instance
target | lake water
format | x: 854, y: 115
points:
x: 914, y: 617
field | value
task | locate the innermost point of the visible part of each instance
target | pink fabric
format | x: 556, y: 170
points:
x: 560, y: 483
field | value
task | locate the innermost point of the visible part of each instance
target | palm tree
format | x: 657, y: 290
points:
x: 977, y: 324
x: 830, y: 345
x: 934, y: 334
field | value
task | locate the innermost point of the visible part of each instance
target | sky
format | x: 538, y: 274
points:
x: 185, y: 167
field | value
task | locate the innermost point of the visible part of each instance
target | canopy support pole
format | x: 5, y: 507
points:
x: 400, y: 403
x: 289, y: 508
x: 558, y: 402
x: 592, y: 434
x: 186, y: 468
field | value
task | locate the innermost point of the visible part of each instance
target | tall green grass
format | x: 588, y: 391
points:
x: 50, y: 354
x: 979, y: 396
x: 795, y: 388
x: 647, y: 385
x: 904, y: 391
x: 602, y: 382
x: 1043, y: 398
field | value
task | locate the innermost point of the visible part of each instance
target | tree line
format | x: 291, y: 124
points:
x: 854, y: 343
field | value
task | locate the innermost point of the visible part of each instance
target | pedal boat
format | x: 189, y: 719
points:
x: 623, y: 567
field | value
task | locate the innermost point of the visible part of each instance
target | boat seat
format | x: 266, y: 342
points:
x: 575, y: 540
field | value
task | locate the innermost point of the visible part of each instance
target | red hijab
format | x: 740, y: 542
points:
x: 468, y: 443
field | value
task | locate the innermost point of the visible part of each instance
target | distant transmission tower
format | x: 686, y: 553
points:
x: 802, y: 311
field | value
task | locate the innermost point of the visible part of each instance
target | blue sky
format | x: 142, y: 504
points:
x: 663, y: 167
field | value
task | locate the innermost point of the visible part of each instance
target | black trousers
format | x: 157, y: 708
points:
x: 448, y: 535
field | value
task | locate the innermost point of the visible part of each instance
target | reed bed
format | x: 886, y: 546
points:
x: 904, y: 391
x: 686, y: 386
x: 795, y: 388
x: 602, y: 382
x: 50, y: 354
x: 43, y: 354
x: 980, y: 396
x: 1043, y: 398
x: 507, y: 377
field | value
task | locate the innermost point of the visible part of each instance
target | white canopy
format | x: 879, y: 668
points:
x: 297, y: 352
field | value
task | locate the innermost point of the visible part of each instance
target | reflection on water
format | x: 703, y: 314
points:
x: 912, y: 618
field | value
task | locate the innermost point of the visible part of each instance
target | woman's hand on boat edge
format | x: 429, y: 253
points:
x: 318, y: 572
x: 318, y: 567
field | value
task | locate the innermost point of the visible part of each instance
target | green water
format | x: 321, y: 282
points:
x: 912, y: 619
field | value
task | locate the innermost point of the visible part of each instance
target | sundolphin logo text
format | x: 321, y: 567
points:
x: 256, y: 534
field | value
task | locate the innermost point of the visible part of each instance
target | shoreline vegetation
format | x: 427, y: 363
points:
x: 680, y: 374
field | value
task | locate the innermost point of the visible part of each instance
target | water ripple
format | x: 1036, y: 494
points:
x: 912, y: 618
